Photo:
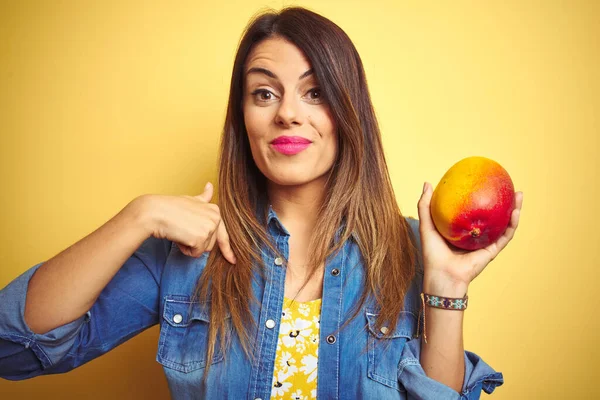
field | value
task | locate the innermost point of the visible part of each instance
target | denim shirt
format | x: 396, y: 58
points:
x: 155, y: 285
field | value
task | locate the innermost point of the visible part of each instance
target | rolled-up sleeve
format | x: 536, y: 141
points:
x: 126, y: 306
x: 478, y: 376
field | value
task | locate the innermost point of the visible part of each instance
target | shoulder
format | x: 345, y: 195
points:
x: 413, y: 223
x: 180, y: 272
x: 154, y: 251
x: 153, y: 254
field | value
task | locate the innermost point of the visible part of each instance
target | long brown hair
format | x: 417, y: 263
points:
x: 358, y: 194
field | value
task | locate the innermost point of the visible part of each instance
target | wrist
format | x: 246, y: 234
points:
x: 444, y: 287
x: 143, y: 211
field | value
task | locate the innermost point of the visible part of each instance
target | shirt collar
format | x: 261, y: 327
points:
x: 273, y: 220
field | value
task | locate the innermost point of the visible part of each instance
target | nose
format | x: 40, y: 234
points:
x: 290, y: 112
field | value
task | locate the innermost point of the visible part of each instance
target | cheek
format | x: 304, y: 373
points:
x: 333, y: 147
x: 256, y: 132
x: 327, y: 130
x: 333, y: 142
x: 323, y: 122
x: 256, y: 122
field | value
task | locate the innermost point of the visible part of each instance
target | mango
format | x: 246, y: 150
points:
x: 472, y: 204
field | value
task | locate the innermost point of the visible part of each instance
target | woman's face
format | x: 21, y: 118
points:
x: 282, y: 102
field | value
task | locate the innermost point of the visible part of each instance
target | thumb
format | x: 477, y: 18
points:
x: 206, y: 196
x: 425, y: 220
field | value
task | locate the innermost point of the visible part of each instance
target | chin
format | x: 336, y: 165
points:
x: 291, y: 178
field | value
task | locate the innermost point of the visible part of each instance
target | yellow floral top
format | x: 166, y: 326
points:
x: 295, y: 374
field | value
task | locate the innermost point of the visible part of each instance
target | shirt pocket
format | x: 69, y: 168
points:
x: 384, y: 353
x: 184, y: 335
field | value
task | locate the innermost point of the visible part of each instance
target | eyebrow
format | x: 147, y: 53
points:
x: 265, y: 71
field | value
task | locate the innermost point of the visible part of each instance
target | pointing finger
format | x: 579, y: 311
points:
x: 224, y: 245
x: 211, y: 240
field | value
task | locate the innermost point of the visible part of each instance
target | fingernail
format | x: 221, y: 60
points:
x: 424, y: 187
x: 207, y: 185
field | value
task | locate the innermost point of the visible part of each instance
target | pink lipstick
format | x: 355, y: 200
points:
x: 290, y: 145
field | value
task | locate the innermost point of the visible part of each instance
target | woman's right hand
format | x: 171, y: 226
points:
x: 192, y: 222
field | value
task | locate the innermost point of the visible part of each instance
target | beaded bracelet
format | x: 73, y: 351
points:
x: 446, y: 303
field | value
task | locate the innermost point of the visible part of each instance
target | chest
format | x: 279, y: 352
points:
x: 297, y: 273
x: 351, y: 362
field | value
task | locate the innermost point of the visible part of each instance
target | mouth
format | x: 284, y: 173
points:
x: 290, y: 145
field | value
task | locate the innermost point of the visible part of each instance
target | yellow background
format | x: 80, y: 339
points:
x: 103, y: 101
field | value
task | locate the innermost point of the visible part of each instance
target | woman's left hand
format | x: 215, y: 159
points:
x: 449, y: 270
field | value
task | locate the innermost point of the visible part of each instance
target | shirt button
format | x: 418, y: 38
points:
x: 270, y: 324
x: 331, y: 339
x: 177, y: 318
x: 384, y: 330
x: 278, y: 261
x: 335, y: 272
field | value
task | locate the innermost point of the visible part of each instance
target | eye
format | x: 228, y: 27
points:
x: 315, y: 94
x: 264, y: 95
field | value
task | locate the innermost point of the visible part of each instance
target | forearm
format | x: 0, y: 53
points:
x: 442, y: 357
x: 66, y: 286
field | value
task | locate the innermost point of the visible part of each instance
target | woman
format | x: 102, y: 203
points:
x: 313, y: 287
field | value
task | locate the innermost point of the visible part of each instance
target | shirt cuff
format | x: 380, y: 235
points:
x: 478, y: 376
x: 49, y: 347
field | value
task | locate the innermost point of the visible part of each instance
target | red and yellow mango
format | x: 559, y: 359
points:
x: 472, y: 204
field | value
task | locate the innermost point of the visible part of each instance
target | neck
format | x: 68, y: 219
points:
x: 297, y: 206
